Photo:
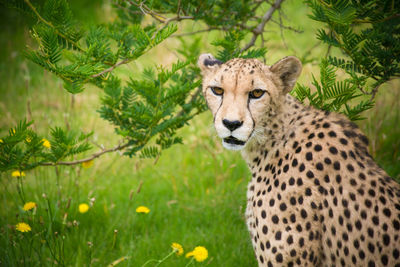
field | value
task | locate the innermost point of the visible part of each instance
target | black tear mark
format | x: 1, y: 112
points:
x: 212, y: 62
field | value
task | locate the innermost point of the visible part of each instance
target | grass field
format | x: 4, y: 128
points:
x: 196, y: 192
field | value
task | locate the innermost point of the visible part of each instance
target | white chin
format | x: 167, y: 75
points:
x: 232, y: 146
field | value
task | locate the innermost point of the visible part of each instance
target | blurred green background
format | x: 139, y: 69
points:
x: 196, y: 192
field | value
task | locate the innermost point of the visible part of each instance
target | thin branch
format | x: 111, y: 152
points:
x: 196, y: 32
x: 260, y: 27
x: 125, y: 61
x: 93, y: 156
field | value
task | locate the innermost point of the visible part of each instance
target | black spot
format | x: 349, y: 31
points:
x: 336, y: 165
x: 263, y: 214
x: 282, y: 207
x: 271, y: 202
x: 384, y: 260
x: 326, y: 125
x: 265, y: 229
x: 321, y: 135
x: 343, y: 141
x: 299, y: 181
x: 309, y: 156
x: 298, y: 150
x: 319, y: 166
x: 310, y: 174
x: 308, y: 191
x: 303, y: 213
x: 278, y: 235
x: 333, y: 150
x: 386, y: 240
x: 332, y: 134
x: 350, y: 168
x: 293, y: 201
x: 294, y: 163
x: 317, y: 148
x: 308, y: 144
x: 259, y: 203
x: 279, y: 258
x: 291, y: 181
x: 301, y: 167
x: 286, y: 168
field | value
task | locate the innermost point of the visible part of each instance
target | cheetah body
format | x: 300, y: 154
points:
x: 316, y: 197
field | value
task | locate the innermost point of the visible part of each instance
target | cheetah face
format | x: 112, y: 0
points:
x: 241, y: 92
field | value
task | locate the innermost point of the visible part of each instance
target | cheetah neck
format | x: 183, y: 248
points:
x: 279, y: 124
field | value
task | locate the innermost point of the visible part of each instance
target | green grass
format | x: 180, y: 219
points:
x: 196, y: 192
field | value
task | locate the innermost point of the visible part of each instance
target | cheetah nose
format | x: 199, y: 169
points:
x: 232, y: 125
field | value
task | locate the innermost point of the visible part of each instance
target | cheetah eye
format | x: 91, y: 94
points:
x: 257, y: 93
x: 217, y: 90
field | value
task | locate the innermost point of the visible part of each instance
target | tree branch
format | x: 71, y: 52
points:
x: 260, y: 27
x: 93, y: 156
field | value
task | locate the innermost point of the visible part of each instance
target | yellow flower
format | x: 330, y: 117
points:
x: 46, y: 143
x: 17, y: 174
x: 87, y: 164
x: 142, y: 209
x: 12, y: 131
x: 1, y: 141
x: 29, y: 205
x: 28, y: 139
x: 83, y: 208
x: 177, y: 248
x: 199, y: 253
x: 23, y: 227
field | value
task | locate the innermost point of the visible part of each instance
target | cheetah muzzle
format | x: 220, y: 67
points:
x: 316, y: 197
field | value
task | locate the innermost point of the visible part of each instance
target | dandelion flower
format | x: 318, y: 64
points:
x: 23, y: 227
x: 83, y: 208
x: 142, y: 209
x: 199, y: 253
x: 177, y: 248
x: 28, y: 139
x: 17, y: 174
x: 1, y: 141
x: 29, y: 205
x: 46, y: 143
x: 87, y: 164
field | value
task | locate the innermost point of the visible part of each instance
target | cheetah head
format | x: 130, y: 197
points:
x: 242, y: 93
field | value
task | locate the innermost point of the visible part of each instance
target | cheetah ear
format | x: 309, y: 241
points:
x: 288, y: 70
x: 208, y: 62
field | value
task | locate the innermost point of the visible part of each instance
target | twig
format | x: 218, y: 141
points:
x: 125, y: 61
x: 93, y: 156
x: 196, y: 32
x: 260, y: 27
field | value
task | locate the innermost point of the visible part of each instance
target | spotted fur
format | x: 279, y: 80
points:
x: 316, y: 197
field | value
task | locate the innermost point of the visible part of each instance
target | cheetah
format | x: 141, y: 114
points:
x: 316, y: 197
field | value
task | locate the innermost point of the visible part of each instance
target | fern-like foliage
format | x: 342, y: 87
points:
x: 333, y: 95
x: 367, y: 32
x: 24, y: 149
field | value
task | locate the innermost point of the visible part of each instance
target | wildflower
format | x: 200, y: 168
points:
x: 17, y: 174
x: 1, y: 141
x: 199, y: 253
x: 83, y: 208
x: 29, y: 206
x: 28, y: 139
x: 177, y: 248
x: 46, y: 143
x: 142, y: 209
x: 87, y: 164
x: 23, y: 227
